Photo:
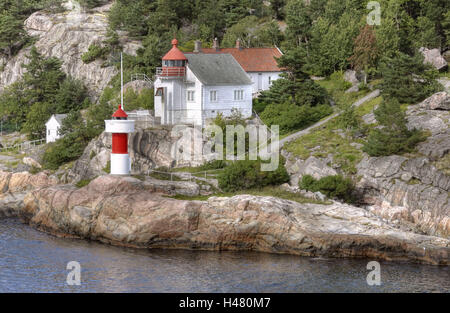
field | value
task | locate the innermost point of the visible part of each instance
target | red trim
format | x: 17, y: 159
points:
x: 120, y: 143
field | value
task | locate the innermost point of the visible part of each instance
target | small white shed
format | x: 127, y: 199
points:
x: 52, y: 127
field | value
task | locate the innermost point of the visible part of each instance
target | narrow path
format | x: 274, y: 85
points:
x: 305, y: 131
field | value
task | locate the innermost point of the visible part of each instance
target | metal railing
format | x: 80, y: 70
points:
x: 23, y: 145
x: 186, y: 175
x: 140, y: 76
x: 170, y: 71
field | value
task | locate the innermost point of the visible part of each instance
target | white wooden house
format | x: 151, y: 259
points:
x: 192, y: 88
x: 53, y: 126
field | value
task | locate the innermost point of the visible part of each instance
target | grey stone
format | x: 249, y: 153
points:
x: 433, y: 57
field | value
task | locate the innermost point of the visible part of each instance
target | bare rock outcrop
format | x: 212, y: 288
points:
x: 67, y: 36
x: 413, y: 187
x: 125, y: 212
x: 15, y: 186
x: 149, y: 149
x: 434, y: 57
x: 412, y: 190
x: 316, y: 167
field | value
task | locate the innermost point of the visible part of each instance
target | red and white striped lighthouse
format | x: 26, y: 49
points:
x: 120, y: 127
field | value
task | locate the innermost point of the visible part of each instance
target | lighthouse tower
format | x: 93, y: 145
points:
x: 120, y: 127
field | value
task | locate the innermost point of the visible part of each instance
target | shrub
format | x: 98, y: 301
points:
x: 394, y: 137
x: 291, y: 117
x: 64, y: 150
x: 94, y: 52
x: 340, y: 83
x: 332, y: 186
x: 247, y: 174
x: 213, y: 165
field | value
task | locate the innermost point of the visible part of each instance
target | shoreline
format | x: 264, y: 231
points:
x: 127, y: 212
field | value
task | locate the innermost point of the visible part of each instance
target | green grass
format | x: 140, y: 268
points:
x: 336, y: 88
x: 164, y: 176
x: 368, y: 107
x: 264, y: 192
x: 330, y: 142
x: 82, y: 183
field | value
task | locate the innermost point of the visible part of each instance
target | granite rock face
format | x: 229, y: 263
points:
x: 128, y: 212
x: 15, y: 186
x: 316, y: 167
x: 412, y: 190
x: 148, y: 148
x: 434, y: 57
x: 67, y: 36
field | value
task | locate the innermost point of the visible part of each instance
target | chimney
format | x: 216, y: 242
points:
x: 198, y: 46
x: 238, y: 44
x: 216, y: 44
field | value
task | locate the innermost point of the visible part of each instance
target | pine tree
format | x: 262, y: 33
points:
x: 393, y: 136
x: 12, y: 34
x: 408, y: 79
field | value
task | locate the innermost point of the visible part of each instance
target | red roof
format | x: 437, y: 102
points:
x: 120, y: 113
x: 174, y: 54
x: 252, y: 59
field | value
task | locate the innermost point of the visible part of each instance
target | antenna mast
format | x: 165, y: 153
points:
x: 121, y: 81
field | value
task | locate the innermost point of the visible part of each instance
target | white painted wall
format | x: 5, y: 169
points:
x: 52, y: 128
x: 174, y: 107
x: 261, y: 82
x: 225, y: 102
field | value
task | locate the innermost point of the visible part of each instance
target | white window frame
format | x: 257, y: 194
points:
x: 190, y: 95
x: 211, y: 98
x: 239, y: 95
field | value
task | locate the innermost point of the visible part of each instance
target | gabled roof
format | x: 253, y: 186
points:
x: 58, y: 117
x: 252, y: 59
x: 217, y: 69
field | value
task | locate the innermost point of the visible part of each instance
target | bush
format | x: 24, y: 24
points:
x: 332, y: 186
x: 293, y: 117
x: 394, y: 136
x: 242, y: 175
x: 94, y: 52
x: 66, y: 149
x: 340, y: 83
x: 213, y: 165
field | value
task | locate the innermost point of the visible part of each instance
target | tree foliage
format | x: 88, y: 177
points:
x: 393, y: 135
x: 407, y: 79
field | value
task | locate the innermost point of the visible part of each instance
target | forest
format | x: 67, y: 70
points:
x: 317, y: 37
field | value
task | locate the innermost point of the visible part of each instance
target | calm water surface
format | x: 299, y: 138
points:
x: 31, y: 261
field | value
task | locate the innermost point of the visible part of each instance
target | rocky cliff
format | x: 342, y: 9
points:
x: 67, y: 36
x: 414, y: 189
x: 149, y: 149
x: 129, y: 212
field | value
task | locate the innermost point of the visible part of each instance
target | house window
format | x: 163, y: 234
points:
x: 159, y: 92
x: 49, y: 132
x: 191, y: 95
x: 270, y: 80
x: 238, y: 95
x: 213, y: 96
